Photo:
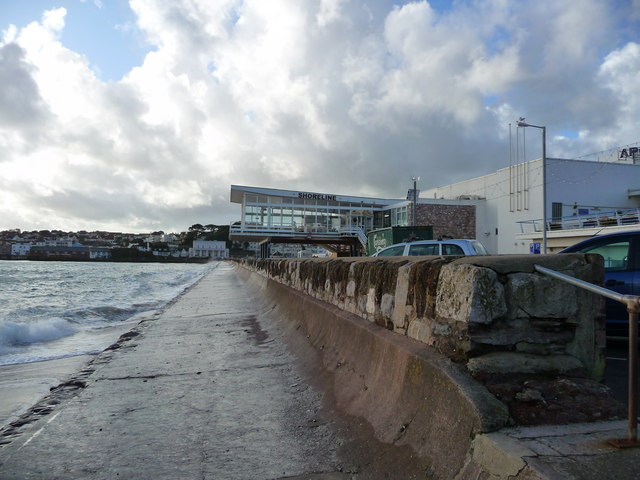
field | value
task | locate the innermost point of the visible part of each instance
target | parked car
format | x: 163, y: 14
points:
x: 621, y: 253
x: 433, y: 247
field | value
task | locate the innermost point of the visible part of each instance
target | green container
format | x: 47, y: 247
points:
x: 385, y: 237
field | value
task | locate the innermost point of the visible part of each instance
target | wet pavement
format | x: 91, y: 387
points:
x: 617, y: 368
x: 206, y: 389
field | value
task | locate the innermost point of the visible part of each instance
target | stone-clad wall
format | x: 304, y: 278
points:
x: 537, y: 344
x: 454, y: 221
x: 493, y: 313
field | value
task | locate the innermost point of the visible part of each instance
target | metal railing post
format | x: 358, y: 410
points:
x: 632, y: 303
x: 633, y: 373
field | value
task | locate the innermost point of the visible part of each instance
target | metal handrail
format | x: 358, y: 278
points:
x: 619, y: 217
x: 632, y: 302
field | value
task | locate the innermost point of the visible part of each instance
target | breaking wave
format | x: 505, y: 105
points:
x: 57, y: 309
x: 13, y: 334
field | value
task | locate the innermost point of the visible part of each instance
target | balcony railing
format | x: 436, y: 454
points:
x: 300, y: 230
x: 592, y: 220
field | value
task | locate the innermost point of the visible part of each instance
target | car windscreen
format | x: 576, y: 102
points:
x: 616, y: 255
x: 479, y: 248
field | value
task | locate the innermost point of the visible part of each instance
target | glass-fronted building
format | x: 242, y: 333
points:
x: 272, y: 215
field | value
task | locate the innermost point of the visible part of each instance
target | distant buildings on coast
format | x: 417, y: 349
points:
x: 107, y: 246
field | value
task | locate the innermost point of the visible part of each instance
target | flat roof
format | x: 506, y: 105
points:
x: 237, y: 192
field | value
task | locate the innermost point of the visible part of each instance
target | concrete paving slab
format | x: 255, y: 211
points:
x: 578, y: 451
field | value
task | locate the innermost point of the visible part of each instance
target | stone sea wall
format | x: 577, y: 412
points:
x: 527, y: 337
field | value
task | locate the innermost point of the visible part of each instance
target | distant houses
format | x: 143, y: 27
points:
x: 20, y: 250
x: 54, y: 252
x: 107, y: 246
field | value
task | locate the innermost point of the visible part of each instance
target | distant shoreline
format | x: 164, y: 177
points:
x: 111, y: 260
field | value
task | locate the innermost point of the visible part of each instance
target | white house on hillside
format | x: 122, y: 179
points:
x: 20, y: 249
x: 209, y: 249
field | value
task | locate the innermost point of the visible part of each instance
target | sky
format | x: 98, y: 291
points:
x: 138, y: 115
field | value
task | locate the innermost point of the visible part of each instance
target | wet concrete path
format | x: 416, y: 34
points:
x: 204, y: 390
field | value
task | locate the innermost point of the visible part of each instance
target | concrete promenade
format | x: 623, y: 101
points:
x: 206, y: 389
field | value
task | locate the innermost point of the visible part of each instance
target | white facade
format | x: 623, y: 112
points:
x: 99, y: 253
x: 154, y: 238
x: 169, y: 238
x: 513, y: 197
x: 20, y: 249
x: 209, y: 249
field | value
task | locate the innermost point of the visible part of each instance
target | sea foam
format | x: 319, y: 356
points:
x: 52, y: 310
x: 14, y: 334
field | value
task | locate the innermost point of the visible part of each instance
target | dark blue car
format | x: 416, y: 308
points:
x: 621, y: 253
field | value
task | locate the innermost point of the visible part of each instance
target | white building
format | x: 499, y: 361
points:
x: 99, y: 253
x: 179, y: 253
x: 58, y: 242
x: 169, y: 238
x: 583, y: 198
x: 155, y: 237
x: 209, y: 249
x: 339, y: 223
x: 20, y: 249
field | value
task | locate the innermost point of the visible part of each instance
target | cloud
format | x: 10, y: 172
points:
x: 351, y: 97
x: 23, y: 113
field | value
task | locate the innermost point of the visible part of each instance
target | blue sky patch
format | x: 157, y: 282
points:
x: 106, y: 35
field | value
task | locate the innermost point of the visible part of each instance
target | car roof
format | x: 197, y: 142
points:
x: 595, y: 238
x: 425, y: 242
x: 437, y: 241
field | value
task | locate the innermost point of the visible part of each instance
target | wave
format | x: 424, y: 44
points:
x: 65, y: 309
x: 14, y: 334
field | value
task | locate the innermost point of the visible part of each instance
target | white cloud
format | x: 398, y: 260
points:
x: 330, y: 11
x: 351, y: 96
x: 619, y: 73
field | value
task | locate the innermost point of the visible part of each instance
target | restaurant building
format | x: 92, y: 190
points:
x: 339, y: 223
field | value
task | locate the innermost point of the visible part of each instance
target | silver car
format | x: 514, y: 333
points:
x: 433, y: 247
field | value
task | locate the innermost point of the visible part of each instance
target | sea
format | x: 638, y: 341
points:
x: 54, y: 310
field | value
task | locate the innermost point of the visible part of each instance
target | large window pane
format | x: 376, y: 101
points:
x: 392, y: 251
x: 451, y: 249
x: 616, y: 255
x: 431, y: 249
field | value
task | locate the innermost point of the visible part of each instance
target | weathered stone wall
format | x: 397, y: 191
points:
x: 494, y: 314
x: 455, y: 221
x: 484, y: 311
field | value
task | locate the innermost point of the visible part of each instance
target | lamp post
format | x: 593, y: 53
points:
x: 414, y: 221
x: 522, y: 123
